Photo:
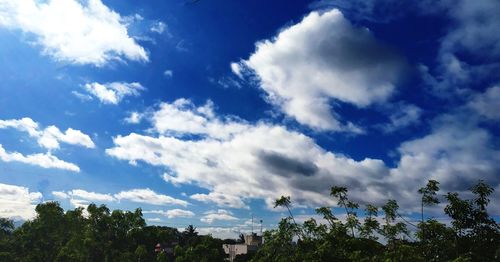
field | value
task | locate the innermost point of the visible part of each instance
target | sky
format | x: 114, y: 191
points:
x: 205, y: 112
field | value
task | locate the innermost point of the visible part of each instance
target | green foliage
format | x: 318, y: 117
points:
x: 203, y: 249
x: 370, y: 225
x: 340, y: 193
x: 474, y: 235
x: 161, y: 257
x: 100, y: 235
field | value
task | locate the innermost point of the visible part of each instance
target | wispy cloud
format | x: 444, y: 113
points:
x: 148, y: 196
x: 113, y: 93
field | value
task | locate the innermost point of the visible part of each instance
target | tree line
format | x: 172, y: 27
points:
x: 471, y: 234
x: 101, y: 235
x: 381, y: 234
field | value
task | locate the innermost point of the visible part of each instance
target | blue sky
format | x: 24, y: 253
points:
x: 204, y: 112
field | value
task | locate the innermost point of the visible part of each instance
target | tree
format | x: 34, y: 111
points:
x: 370, y: 225
x: 428, y: 195
x: 392, y: 229
x: 161, y: 257
x: 477, y: 235
x: 341, y: 194
x: 485, y: 233
x: 6, y: 229
x: 436, y: 241
x: 140, y: 252
x: 104, y: 235
x: 284, y: 201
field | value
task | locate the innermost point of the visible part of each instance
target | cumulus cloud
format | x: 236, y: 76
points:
x: 476, y: 30
x: 469, y: 51
x: 134, y: 118
x: 84, y: 195
x: 455, y: 153
x: 265, y: 161
x: 60, y: 194
x: 113, y: 93
x: 148, y: 196
x: 80, y: 32
x: 18, y: 202
x: 45, y: 160
x: 182, y: 116
x: 77, y: 203
x: 220, y: 214
x: 82, y: 198
x: 172, y: 213
x: 321, y: 59
x: 251, y: 161
x: 221, y: 232
x: 222, y: 200
x: 49, y: 137
x: 487, y: 104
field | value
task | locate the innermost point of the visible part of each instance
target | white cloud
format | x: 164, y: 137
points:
x: 91, y: 196
x: 50, y: 136
x: 148, y: 196
x: 46, y: 160
x: 113, y: 93
x: 60, y: 194
x: 476, y: 29
x: 168, y: 73
x: 236, y: 69
x: 265, y: 161
x: 82, y: 97
x: 134, y: 118
x: 469, y: 50
x: 222, y: 200
x: 18, y: 202
x: 182, y: 116
x: 320, y: 59
x: 487, y: 104
x: 154, y: 220
x: 220, y: 214
x: 251, y: 161
x: 158, y: 27
x: 76, y: 203
x: 402, y: 115
x: 455, y: 154
x: 221, y: 232
x: 172, y: 213
x: 80, y: 32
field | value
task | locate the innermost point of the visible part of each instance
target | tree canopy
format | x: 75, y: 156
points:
x: 373, y: 234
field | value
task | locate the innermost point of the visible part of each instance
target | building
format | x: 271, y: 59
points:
x: 252, y: 244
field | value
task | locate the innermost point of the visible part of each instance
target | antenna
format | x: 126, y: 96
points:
x: 252, y: 222
x: 261, y: 227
